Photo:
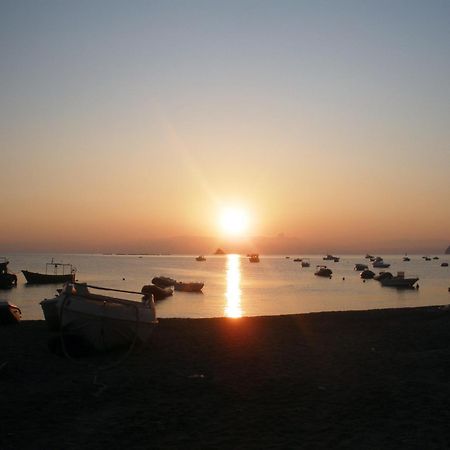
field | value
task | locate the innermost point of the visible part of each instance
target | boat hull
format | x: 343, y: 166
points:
x: 9, y: 314
x: 401, y: 283
x: 105, y: 322
x: 43, y: 278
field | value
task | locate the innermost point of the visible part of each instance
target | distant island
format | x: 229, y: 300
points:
x: 219, y: 251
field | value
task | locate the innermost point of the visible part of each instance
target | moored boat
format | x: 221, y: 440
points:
x: 51, y: 274
x: 367, y: 274
x: 378, y: 263
x: 323, y: 271
x: 200, y: 258
x: 9, y: 313
x: 163, y: 282
x: 399, y: 281
x: 188, y: 287
x: 7, y: 279
x: 359, y: 267
x: 104, y: 322
x: 382, y: 275
x: 331, y: 258
x: 253, y: 258
x: 305, y: 263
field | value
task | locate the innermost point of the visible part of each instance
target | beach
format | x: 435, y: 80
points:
x: 363, y: 379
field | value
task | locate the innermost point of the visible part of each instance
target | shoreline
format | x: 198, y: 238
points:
x: 341, y: 379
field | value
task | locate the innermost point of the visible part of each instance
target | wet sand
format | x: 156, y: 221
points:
x: 371, y: 379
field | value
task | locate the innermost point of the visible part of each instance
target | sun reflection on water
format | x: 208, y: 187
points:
x: 233, y: 307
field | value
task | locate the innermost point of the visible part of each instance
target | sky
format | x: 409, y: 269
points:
x: 124, y: 125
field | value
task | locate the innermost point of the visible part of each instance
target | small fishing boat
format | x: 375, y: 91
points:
x: 378, y: 263
x: 51, y: 274
x: 297, y: 260
x: 360, y: 267
x: 253, y: 258
x: 104, y: 322
x: 163, y: 282
x: 200, y: 258
x: 188, y: 287
x: 9, y: 313
x: 406, y: 258
x: 159, y: 293
x: 323, y: 271
x: 7, y: 280
x: 367, y: 274
x: 399, y: 281
x: 368, y: 256
x: 382, y: 275
x: 331, y: 258
x: 305, y: 263
x: 444, y: 264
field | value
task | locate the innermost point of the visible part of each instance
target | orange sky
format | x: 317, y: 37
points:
x: 123, y: 127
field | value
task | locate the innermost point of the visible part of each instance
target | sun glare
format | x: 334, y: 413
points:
x: 234, y: 221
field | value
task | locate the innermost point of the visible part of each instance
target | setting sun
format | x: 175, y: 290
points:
x: 234, y: 221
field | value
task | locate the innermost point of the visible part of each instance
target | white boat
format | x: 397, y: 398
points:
x: 104, y: 322
x: 378, y: 263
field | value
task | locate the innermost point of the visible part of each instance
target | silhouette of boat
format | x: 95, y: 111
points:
x: 188, y: 287
x: 305, y: 263
x: 200, y: 258
x: 367, y: 274
x: 323, y: 271
x: 399, y: 281
x: 7, y: 279
x: 163, y: 282
x: 331, y: 258
x: 378, y: 263
x: 359, y: 267
x: 9, y: 313
x: 67, y: 275
x: 253, y: 258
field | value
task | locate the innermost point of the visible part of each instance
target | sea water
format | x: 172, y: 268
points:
x: 235, y: 287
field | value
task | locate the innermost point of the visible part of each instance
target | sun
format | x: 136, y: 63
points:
x: 234, y: 221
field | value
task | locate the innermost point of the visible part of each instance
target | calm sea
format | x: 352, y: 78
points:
x: 235, y: 287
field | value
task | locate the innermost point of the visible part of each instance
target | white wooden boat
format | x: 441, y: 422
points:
x: 104, y: 322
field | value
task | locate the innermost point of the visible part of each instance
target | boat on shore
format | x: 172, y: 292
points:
x: 9, y: 313
x: 104, y: 322
x: 399, y: 281
x: 323, y: 271
x: 8, y: 280
x: 51, y: 274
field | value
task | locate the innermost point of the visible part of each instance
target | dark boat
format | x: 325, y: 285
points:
x: 9, y: 313
x: 7, y: 280
x: 323, y: 271
x: 399, y: 281
x: 163, y: 282
x: 158, y: 293
x: 367, y: 274
x: 253, y: 258
x: 188, y: 287
x: 67, y: 275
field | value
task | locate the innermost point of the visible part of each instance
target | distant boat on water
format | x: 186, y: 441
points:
x: 323, y: 271
x: 200, y: 258
x: 253, y: 258
x: 305, y: 263
x: 331, y: 258
x: 399, y: 281
x: 51, y: 274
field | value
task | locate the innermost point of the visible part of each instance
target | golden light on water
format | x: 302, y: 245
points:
x: 233, y: 307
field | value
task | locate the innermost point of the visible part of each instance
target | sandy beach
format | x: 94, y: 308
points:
x: 371, y: 379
